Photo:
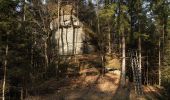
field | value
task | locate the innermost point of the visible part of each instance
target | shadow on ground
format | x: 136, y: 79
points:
x: 89, y: 87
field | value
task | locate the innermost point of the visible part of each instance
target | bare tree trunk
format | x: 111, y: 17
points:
x: 32, y: 50
x: 76, y: 43
x: 58, y: 37
x: 58, y: 52
x: 163, y: 41
x: 140, y: 60
x: 22, y: 92
x: 67, y: 39
x: 120, y: 44
x: 147, y: 71
x: 73, y: 48
x: 76, y: 40
x: 46, y: 55
x: 123, y: 75
x: 5, y: 69
x: 23, y: 10
x: 163, y: 37
x: 103, y: 64
x: 101, y: 52
x: 32, y: 55
x: 159, y: 69
x: 109, y: 40
x: 62, y: 41
x: 72, y: 22
x: 139, y: 41
x: 77, y: 33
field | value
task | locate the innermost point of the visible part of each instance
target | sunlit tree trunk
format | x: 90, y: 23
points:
x: 120, y: 44
x: 109, y: 39
x: 67, y: 40
x: 46, y: 55
x: 73, y: 50
x: 77, y: 24
x: 140, y: 59
x: 163, y: 41
x: 76, y: 36
x: 123, y: 60
x: 62, y: 40
x: 139, y: 41
x: 58, y: 36
x: 5, y: 69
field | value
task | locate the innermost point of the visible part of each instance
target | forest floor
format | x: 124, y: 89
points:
x: 95, y: 87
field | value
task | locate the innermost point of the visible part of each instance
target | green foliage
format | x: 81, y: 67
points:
x: 6, y: 6
x: 123, y: 19
x: 108, y: 13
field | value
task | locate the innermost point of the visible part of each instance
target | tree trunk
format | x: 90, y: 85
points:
x: 76, y: 43
x: 76, y: 36
x: 72, y: 22
x: 46, y: 55
x: 62, y: 41
x: 123, y: 60
x: 67, y: 40
x: 140, y: 60
x: 5, y: 70
x: 159, y: 69
x: 120, y: 44
x: 139, y: 41
x: 109, y: 40
x: 58, y: 37
x: 32, y: 52
x: 100, y: 43
x: 147, y: 73
x: 73, y: 48
x: 22, y: 93
x: 23, y: 10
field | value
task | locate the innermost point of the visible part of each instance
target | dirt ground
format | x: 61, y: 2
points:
x: 97, y: 87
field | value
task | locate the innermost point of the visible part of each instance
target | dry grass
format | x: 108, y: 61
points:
x: 112, y: 61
